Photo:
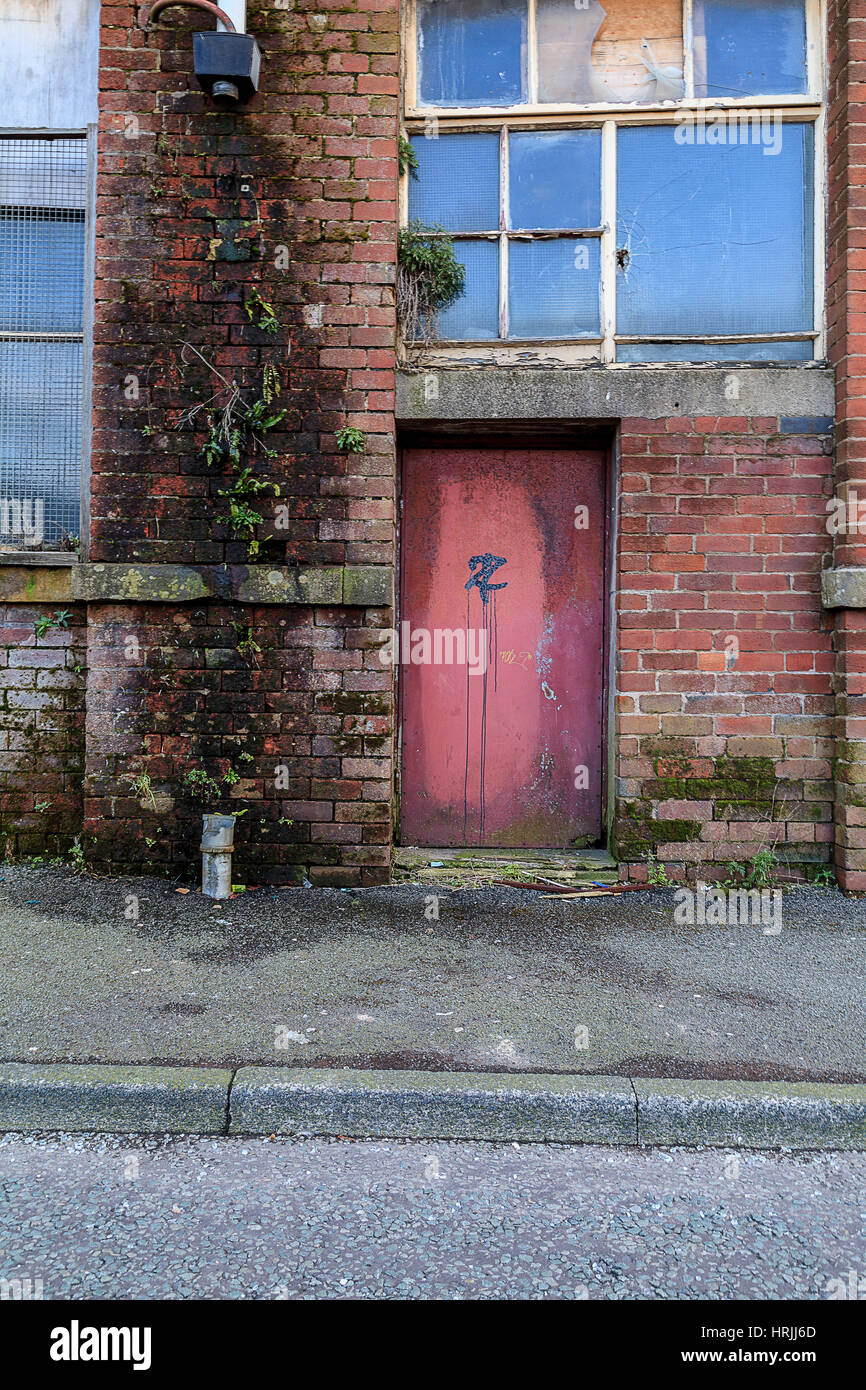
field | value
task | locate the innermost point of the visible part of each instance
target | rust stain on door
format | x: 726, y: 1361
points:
x: 501, y: 646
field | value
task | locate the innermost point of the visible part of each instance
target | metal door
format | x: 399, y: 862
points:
x: 501, y: 646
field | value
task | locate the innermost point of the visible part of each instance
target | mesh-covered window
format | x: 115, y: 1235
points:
x: 43, y: 184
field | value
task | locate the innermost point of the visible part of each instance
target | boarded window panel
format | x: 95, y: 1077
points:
x: 624, y: 50
x: 716, y: 238
x: 555, y: 179
x: 749, y: 47
x: 553, y: 288
x: 472, y: 52
x: 475, y: 316
x: 715, y: 352
x: 457, y: 187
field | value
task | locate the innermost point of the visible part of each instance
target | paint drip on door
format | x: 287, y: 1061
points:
x: 481, y: 570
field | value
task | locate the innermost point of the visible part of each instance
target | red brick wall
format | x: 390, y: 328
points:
x: 303, y: 725
x: 41, y: 729
x: 724, y: 746
x: 295, y: 197
x: 724, y: 683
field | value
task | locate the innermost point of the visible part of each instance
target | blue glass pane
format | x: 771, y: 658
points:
x: 553, y: 289
x: 714, y: 352
x: 457, y: 187
x: 743, y: 47
x: 715, y: 238
x: 476, y: 314
x: 472, y: 52
x: 555, y: 178
x: 41, y: 271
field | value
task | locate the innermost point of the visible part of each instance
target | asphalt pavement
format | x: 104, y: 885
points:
x: 95, y: 1217
x: 498, y: 980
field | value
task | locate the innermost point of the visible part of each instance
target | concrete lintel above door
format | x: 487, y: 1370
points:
x: 581, y: 394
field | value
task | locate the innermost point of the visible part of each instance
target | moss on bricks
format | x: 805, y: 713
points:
x: 735, y: 781
x: 636, y: 832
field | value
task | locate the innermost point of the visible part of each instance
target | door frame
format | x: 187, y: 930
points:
x: 577, y: 435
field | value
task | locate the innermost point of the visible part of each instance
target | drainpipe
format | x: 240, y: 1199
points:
x: 237, y: 13
x: 217, y: 843
x: 231, y: 15
x: 222, y: 12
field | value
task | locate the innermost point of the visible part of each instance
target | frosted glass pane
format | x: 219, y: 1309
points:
x: 555, y: 178
x: 41, y: 271
x: 40, y: 433
x: 714, y: 352
x: 476, y: 314
x: 553, y: 288
x: 746, y: 47
x: 472, y: 52
x: 622, y: 50
x: 715, y: 238
x: 457, y: 187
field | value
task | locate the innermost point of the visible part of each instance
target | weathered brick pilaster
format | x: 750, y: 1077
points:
x: 847, y: 348
x: 254, y: 247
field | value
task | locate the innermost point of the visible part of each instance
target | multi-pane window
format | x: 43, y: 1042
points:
x: 637, y: 179
x: 43, y: 184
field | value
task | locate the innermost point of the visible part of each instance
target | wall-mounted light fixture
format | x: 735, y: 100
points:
x: 227, y: 63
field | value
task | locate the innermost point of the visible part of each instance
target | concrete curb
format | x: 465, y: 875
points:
x: 434, y: 1105
x: 143, y: 1100
x: 751, y: 1114
x: 529, y: 1108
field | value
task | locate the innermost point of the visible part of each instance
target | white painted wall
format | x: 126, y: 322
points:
x: 49, y: 55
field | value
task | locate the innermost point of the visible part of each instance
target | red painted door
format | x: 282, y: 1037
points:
x: 501, y: 646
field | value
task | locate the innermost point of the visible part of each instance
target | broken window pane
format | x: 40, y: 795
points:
x: 458, y: 182
x: 475, y: 316
x: 623, y: 50
x: 555, y: 178
x: 715, y: 238
x: 472, y: 52
x: 715, y: 352
x: 553, y: 289
x: 749, y: 47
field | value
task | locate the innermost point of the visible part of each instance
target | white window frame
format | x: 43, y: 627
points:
x: 809, y: 108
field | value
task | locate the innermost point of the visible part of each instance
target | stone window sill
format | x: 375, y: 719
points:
x: 39, y: 557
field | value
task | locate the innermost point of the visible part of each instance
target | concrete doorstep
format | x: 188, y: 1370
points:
x: 529, y: 1108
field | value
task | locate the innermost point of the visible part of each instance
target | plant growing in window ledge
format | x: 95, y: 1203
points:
x: 429, y: 279
x: 407, y: 159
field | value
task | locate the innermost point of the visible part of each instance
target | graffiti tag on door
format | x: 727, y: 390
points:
x: 481, y: 570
